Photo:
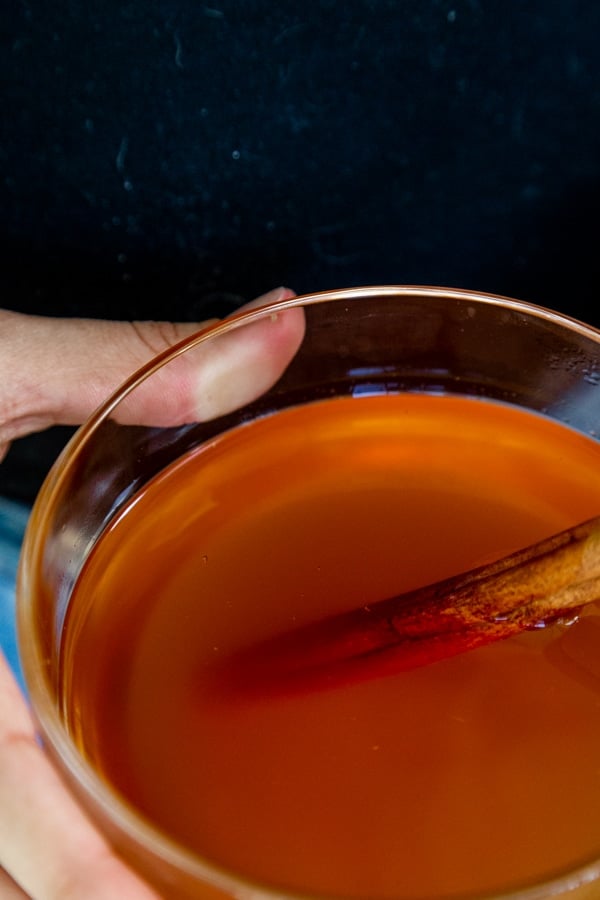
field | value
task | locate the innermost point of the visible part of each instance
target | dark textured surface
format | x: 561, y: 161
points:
x: 167, y: 159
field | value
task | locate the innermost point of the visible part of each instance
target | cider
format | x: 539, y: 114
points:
x: 472, y: 775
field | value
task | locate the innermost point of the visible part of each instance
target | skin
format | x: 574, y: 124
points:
x: 49, y: 850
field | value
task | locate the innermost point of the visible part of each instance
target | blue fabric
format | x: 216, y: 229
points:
x: 13, y: 518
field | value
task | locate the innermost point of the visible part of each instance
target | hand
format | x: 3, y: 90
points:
x: 55, y: 371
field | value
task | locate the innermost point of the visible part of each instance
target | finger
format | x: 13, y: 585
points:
x: 57, y: 371
x: 47, y: 844
x: 221, y: 374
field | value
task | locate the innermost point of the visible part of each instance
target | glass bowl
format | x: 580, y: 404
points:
x: 357, y: 342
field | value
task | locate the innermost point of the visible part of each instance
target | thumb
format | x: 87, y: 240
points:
x: 57, y: 371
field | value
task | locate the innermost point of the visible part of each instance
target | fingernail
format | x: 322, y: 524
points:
x: 274, y: 296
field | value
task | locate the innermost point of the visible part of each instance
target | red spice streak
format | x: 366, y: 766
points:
x: 472, y: 774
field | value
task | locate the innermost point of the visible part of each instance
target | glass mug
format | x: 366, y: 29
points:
x: 417, y: 432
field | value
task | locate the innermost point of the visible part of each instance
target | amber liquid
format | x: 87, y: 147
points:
x: 476, y: 774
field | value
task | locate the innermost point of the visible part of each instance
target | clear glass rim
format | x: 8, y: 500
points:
x: 47, y: 716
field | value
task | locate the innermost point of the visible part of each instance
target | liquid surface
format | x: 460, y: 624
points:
x: 474, y: 774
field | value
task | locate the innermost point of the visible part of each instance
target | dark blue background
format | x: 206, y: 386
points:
x: 166, y: 159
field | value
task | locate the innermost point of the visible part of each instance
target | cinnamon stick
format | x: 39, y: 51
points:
x: 545, y: 581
